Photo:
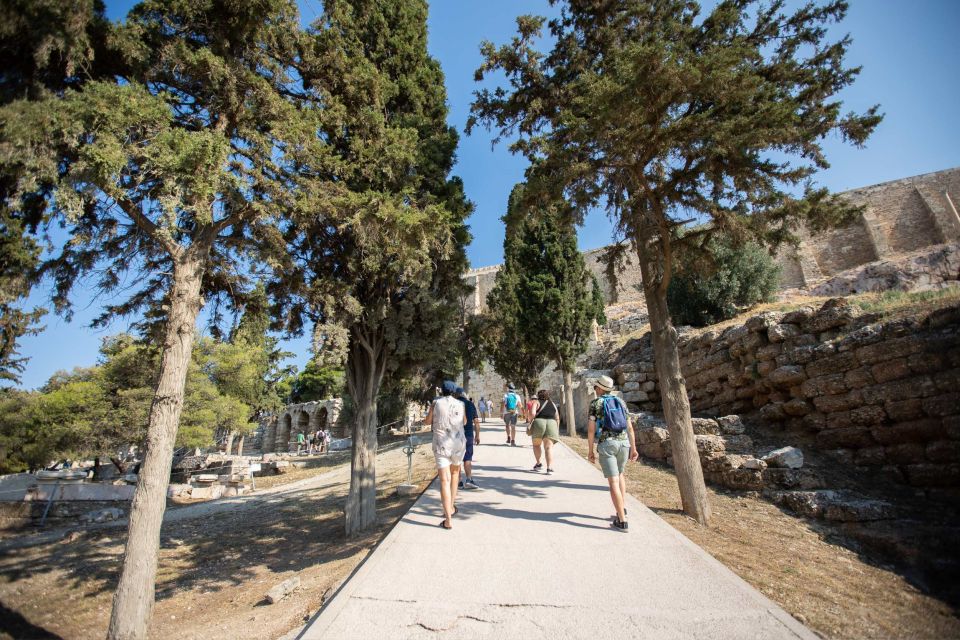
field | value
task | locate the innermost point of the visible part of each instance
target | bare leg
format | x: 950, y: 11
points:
x: 548, y: 450
x: 616, y: 496
x: 446, y: 497
x: 468, y: 469
x: 454, y: 481
x: 536, y: 451
x: 623, y: 488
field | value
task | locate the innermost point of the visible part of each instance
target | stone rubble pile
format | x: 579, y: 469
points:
x: 728, y: 459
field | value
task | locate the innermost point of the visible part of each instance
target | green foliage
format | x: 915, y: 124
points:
x: 317, y: 382
x: 104, y: 409
x: 540, y: 301
x: 384, y: 260
x: 46, y: 46
x: 734, y: 278
x: 664, y: 114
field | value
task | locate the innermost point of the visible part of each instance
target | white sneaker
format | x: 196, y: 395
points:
x: 470, y: 484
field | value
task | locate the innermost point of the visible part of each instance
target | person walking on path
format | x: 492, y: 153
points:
x: 544, y: 429
x: 509, y: 409
x: 447, y: 418
x: 471, y: 433
x: 483, y: 409
x: 609, y: 423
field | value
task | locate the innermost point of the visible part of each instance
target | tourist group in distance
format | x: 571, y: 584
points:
x: 455, y: 422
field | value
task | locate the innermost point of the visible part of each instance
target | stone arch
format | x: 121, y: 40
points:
x: 323, y: 417
x: 303, y: 423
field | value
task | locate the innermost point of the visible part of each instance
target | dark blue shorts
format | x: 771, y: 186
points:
x: 468, y: 456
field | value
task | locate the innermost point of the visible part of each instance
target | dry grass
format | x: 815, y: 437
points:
x: 213, y: 570
x: 833, y: 590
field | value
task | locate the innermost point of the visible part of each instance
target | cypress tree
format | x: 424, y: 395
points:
x: 558, y: 307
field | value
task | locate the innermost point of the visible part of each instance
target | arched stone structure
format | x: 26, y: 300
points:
x: 280, y: 432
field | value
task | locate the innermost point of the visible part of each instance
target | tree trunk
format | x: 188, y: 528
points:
x: 568, y: 403
x: 365, y: 368
x: 673, y: 389
x: 229, y: 443
x: 466, y: 380
x: 240, y: 445
x: 121, y: 467
x: 133, y: 599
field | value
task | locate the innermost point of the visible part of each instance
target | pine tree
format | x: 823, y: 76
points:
x: 181, y: 163
x: 664, y: 116
x: 46, y: 46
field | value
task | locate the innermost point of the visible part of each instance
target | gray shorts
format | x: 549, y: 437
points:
x: 510, y: 417
x: 613, y: 454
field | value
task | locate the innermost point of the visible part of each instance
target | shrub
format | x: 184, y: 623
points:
x: 704, y: 292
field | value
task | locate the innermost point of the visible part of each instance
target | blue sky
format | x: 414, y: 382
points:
x: 909, y: 52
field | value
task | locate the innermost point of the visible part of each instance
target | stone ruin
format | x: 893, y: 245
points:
x: 730, y: 459
x: 278, y: 434
x: 880, y: 395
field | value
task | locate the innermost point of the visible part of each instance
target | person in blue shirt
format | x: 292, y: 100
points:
x: 509, y: 409
x: 472, y: 433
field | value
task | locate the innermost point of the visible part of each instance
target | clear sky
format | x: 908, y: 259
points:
x: 910, y: 55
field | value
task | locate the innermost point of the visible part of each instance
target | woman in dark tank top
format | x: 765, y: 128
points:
x: 545, y: 430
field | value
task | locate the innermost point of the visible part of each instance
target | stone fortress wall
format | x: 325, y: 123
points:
x: 908, y: 228
x: 899, y: 217
x: 873, y: 394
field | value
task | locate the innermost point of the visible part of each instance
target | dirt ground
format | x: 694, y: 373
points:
x: 835, y: 591
x: 214, y: 568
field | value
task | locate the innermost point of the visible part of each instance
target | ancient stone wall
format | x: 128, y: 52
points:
x: 874, y: 394
x: 278, y: 434
x: 899, y: 217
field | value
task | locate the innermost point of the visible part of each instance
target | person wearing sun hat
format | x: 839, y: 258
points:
x: 609, y: 424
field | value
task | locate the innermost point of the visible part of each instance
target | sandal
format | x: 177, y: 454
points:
x: 444, y: 525
x: 619, y: 524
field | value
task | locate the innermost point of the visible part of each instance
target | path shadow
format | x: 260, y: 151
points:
x: 473, y: 509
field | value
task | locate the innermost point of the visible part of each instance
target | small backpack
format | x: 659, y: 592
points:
x: 614, y: 417
x: 511, y: 401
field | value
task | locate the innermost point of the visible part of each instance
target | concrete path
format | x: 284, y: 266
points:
x: 534, y: 556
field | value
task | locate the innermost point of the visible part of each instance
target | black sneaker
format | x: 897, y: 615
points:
x: 619, y: 524
x: 537, y: 466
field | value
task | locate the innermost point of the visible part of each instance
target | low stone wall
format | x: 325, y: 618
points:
x: 873, y: 394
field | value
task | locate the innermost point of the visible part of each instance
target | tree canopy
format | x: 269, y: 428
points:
x: 665, y: 115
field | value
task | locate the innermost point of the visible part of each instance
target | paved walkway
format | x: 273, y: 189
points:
x: 534, y: 556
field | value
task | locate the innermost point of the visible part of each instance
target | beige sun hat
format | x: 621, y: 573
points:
x: 604, y: 382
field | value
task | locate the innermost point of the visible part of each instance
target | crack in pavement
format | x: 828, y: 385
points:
x: 459, y: 618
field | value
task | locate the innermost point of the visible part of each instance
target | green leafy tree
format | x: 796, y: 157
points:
x: 715, y: 285
x: 46, y: 46
x: 316, y: 382
x: 515, y: 355
x: 180, y: 159
x: 558, y: 309
x: 384, y: 261
x: 664, y: 116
